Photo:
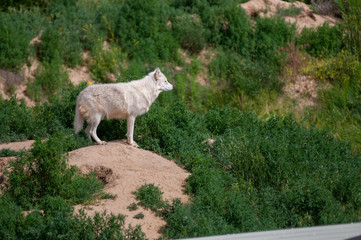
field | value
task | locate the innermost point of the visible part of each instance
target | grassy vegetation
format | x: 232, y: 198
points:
x: 271, y: 166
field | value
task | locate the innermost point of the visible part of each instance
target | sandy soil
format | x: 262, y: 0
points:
x: 124, y: 169
x: 269, y: 8
x: 17, y: 146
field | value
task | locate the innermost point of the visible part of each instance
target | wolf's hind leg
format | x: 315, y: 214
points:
x: 130, y: 131
x: 93, y: 130
x: 87, y: 131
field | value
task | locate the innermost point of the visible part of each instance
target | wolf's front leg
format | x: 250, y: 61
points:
x: 130, y: 131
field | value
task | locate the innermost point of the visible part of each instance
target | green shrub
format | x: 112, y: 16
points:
x: 139, y: 216
x: 106, y: 61
x: 189, y: 32
x: 72, y: 28
x: 147, y: 36
x: 51, y: 77
x: 235, y: 29
x: 60, y: 41
x: 150, y: 196
x: 197, y: 97
x: 271, y: 34
x: 59, y: 114
x: 216, y: 208
x: 223, y: 22
x: 11, y: 217
x: 291, y: 11
x: 16, y: 31
x: 133, y: 207
x: 7, y: 152
x: 107, y: 17
x: 239, y: 75
x: 171, y: 129
x: 57, y: 220
x: 43, y: 171
x: 323, y: 41
x: 343, y: 71
x: 17, y: 121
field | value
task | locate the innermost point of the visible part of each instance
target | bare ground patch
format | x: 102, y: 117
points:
x: 124, y: 169
x: 306, y: 18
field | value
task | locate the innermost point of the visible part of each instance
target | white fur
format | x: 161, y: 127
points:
x: 118, y: 101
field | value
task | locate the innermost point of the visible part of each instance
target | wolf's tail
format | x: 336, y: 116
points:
x: 78, y: 120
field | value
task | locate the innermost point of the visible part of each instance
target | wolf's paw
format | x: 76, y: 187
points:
x: 133, y: 144
x: 102, y: 143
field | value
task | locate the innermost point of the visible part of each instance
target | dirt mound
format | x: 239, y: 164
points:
x: 124, y: 169
x: 300, y: 13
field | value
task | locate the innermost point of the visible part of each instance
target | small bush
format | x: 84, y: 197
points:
x: 133, y: 207
x: 189, y: 32
x: 323, y: 41
x: 16, y: 31
x: 150, y: 196
x: 60, y: 41
x: 139, y: 216
x: 59, y: 114
x: 7, y: 152
x: 17, y: 121
x: 106, y: 61
x: 239, y: 75
x: 288, y: 12
x: 51, y: 77
x: 147, y: 36
x: 235, y: 29
x: 271, y: 34
x: 43, y: 171
x: 343, y: 70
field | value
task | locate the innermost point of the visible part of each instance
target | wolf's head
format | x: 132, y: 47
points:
x: 161, y: 81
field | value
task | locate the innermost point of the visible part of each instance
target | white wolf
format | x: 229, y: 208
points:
x: 118, y: 101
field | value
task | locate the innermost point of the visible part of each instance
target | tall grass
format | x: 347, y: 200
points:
x: 351, y: 11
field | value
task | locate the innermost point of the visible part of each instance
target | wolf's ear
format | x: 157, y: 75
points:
x: 156, y: 74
